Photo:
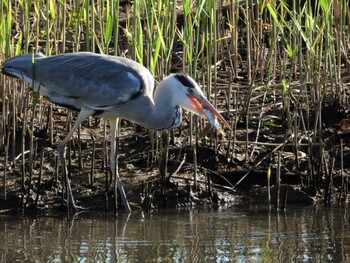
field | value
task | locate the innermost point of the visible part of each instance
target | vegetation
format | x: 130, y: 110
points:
x: 278, y: 70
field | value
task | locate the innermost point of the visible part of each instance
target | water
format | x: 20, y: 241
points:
x: 310, y: 234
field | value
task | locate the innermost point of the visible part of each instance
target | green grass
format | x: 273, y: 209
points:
x: 295, y: 53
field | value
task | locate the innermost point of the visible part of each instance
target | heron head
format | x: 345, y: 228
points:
x: 195, y: 101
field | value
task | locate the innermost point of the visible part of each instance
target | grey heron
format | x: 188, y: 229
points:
x: 110, y: 87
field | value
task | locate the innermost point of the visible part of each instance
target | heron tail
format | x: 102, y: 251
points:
x: 20, y: 66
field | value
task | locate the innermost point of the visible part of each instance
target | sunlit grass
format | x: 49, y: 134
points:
x: 297, y: 50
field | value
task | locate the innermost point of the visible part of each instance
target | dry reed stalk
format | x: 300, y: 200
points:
x: 278, y: 182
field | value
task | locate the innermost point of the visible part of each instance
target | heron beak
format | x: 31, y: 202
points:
x: 205, y: 109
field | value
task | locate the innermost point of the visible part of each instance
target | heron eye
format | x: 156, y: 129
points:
x: 190, y: 90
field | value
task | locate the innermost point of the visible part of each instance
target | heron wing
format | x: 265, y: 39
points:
x: 95, y: 81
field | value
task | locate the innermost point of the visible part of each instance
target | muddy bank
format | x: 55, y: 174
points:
x: 219, y: 180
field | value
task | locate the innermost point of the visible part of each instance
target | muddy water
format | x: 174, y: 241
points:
x: 311, y: 234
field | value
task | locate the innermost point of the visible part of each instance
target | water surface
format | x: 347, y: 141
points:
x: 309, y: 234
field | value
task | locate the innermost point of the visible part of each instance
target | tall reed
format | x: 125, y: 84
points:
x: 245, y: 56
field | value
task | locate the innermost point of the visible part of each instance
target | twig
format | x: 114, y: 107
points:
x: 178, y: 168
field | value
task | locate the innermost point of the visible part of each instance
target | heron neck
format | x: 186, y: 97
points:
x: 162, y: 113
x: 157, y: 113
x: 166, y: 114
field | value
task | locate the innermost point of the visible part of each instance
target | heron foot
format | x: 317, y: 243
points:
x: 72, y: 208
x: 77, y: 208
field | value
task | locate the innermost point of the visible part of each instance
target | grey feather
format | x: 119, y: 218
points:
x: 110, y: 87
x: 83, y: 79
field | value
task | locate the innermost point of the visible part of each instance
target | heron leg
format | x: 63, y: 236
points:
x: 83, y: 114
x: 114, y: 166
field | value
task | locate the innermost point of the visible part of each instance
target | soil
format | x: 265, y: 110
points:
x: 225, y: 176
x: 229, y: 169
